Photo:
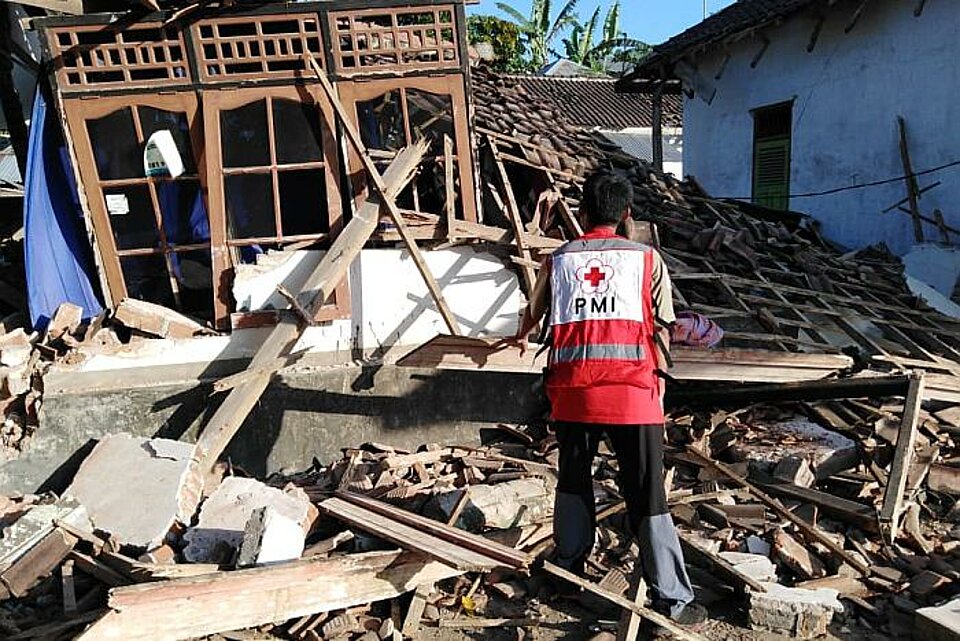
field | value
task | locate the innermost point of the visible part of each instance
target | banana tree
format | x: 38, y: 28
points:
x: 614, y: 45
x: 539, y: 29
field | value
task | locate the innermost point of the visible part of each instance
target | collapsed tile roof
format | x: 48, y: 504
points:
x: 767, y: 277
x: 595, y: 102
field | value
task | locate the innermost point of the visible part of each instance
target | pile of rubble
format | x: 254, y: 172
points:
x: 777, y: 512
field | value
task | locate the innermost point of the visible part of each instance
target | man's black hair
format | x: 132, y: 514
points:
x: 605, y: 197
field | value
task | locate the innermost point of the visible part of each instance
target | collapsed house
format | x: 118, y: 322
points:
x: 340, y: 206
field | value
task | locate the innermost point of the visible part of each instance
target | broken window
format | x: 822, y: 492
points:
x: 262, y: 156
x: 378, y: 39
x: 399, y: 117
x: 158, y: 225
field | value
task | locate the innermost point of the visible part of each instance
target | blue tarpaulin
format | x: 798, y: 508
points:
x: 58, y: 258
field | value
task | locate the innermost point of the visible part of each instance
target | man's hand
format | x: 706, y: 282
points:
x: 519, y: 342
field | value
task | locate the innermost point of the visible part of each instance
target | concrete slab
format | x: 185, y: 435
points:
x: 797, y: 612
x: 270, y: 537
x: 941, y: 623
x: 755, y: 566
x: 225, y: 514
x: 827, y: 452
x: 138, y: 488
x: 501, y: 506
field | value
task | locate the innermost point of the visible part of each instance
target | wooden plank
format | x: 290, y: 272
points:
x: 38, y: 563
x: 513, y: 215
x: 692, y: 550
x: 623, y: 602
x: 353, y: 135
x: 69, y: 588
x: 472, y: 622
x: 738, y: 365
x: 411, y: 622
x: 476, y: 543
x: 98, y: 570
x: 891, y: 510
x: 908, y: 176
x: 409, y: 537
x: 450, y: 206
x: 809, y: 530
x: 318, y: 287
x: 199, y: 606
x: 858, y: 514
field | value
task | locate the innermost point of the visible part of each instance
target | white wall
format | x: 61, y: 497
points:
x: 390, y: 303
x: 848, y: 93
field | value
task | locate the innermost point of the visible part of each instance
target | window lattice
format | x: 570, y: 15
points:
x: 271, y: 46
x: 398, y: 39
x: 107, y: 56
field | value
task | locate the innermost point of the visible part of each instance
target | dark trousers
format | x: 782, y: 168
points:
x: 639, y: 452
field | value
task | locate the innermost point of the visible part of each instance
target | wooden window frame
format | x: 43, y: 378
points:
x: 78, y: 113
x: 215, y: 101
x: 761, y: 142
x: 352, y: 93
x: 397, y: 34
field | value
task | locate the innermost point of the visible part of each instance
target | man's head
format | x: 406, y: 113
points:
x: 606, y: 199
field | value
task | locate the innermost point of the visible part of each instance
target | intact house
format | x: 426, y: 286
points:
x: 796, y: 104
x: 625, y: 119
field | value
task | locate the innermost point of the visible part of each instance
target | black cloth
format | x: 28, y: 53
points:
x: 639, y: 452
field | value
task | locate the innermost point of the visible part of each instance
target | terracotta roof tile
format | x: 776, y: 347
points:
x: 594, y: 102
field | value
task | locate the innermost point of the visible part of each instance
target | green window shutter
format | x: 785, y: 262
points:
x: 771, y: 172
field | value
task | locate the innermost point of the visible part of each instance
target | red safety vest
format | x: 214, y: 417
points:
x: 601, y: 314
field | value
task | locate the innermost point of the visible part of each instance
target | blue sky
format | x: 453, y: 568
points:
x: 652, y: 21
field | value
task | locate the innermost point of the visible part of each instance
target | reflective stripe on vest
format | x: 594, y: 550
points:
x: 604, y: 352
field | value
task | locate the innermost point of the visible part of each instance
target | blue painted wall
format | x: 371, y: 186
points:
x: 847, y: 94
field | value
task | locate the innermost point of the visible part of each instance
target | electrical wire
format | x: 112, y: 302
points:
x: 876, y: 183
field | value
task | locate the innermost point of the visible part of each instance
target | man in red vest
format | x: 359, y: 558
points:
x: 610, y: 306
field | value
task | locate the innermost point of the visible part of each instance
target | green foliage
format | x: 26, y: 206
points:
x: 538, y: 29
x: 505, y: 38
x: 614, y: 46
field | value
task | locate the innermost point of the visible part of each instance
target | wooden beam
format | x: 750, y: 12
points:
x: 857, y: 514
x: 692, y: 550
x: 809, y: 530
x: 450, y: 206
x: 513, y: 215
x: 817, y: 28
x: 467, y: 540
x: 623, y: 602
x: 739, y: 365
x: 319, y: 285
x: 764, y: 45
x: 856, y: 16
x: 353, y: 135
x: 908, y: 176
x: 224, y: 601
x: 38, y: 562
x: 891, y: 510
x: 409, y: 537
x: 657, y: 132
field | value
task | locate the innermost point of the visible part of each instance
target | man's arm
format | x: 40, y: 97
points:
x: 539, y: 301
x: 664, y: 316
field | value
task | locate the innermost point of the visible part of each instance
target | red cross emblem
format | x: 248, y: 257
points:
x: 594, y: 277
